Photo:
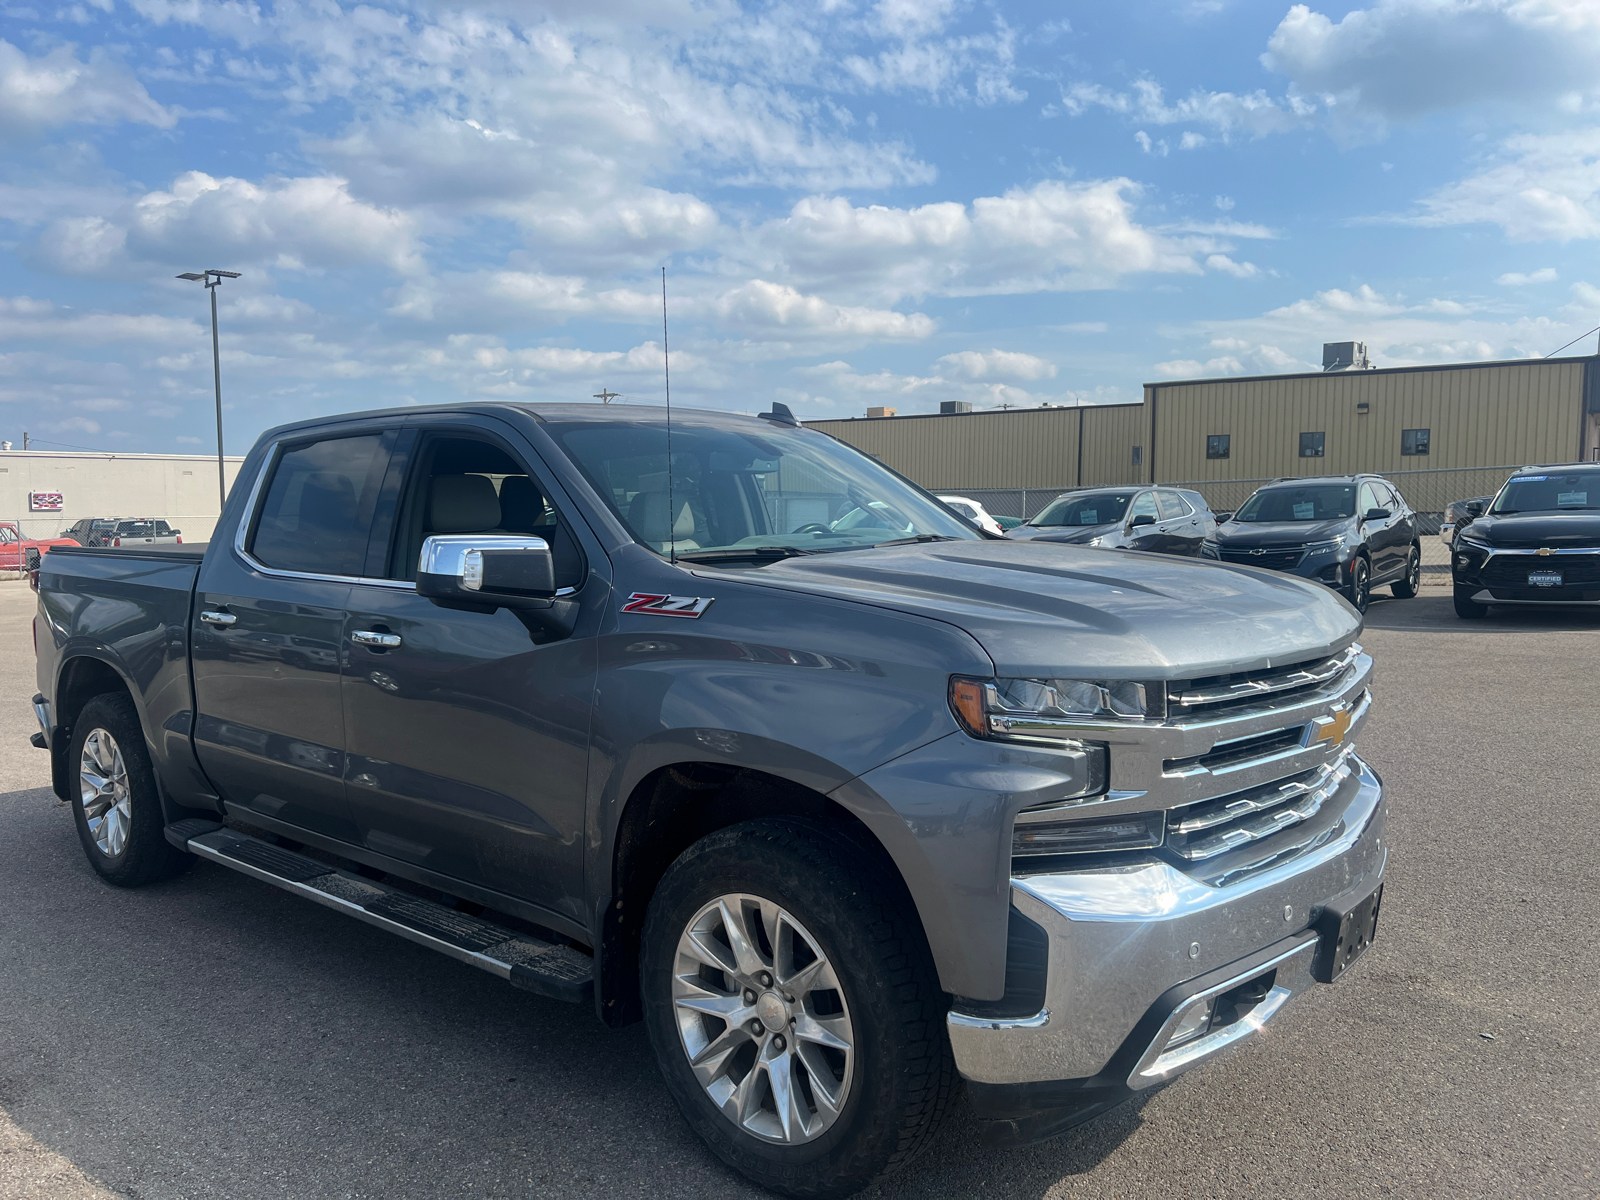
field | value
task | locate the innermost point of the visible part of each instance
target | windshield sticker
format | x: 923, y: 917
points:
x: 1530, y: 479
x: 1305, y: 512
x: 1088, y: 516
x: 1572, y: 499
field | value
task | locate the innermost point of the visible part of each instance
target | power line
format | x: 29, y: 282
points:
x: 1574, y: 341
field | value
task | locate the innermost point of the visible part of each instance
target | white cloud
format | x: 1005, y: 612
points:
x: 1401, y: 59
x: 980, y: 364
x: 1524, y: 278
x: 759, y: 304
x: 296, y: 224
x: 1548, y: 190
x: 1239, y: 270
x: 60, y: 88
x: 1253, y: 115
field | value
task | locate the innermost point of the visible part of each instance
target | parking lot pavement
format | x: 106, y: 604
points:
x: 214, y: 1037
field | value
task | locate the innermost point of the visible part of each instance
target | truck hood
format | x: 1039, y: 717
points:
x: 1045, y: 609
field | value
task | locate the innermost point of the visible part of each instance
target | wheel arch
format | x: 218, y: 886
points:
x: 81, y: 677
x: 669, y: 810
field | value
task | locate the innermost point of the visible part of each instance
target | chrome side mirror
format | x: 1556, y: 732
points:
x: 486, y: 571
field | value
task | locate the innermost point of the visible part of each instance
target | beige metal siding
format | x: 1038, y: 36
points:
x: 1032, y: 448
x: 1478, y: 416
x: 1109, y: 436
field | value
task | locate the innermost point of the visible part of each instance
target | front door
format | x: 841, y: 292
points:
x: 1144, y: 537
x: 468, y: 736
x: 267, y: 629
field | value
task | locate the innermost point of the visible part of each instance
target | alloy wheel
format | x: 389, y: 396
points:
x: 103, y: 791
x: 1360, y: 584
x: 1414, y: 570
x: 763, y: 1020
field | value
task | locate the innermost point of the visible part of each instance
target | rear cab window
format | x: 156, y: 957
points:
x: 315, y: 516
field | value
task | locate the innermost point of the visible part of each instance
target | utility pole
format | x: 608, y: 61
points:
x: 24, y: 439
x: 605, y: 396
x: 213, y: 278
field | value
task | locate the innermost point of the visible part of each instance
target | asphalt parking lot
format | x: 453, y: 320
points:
x: 214, y: 1037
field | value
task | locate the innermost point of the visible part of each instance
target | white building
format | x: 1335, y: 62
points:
x: 46, y: 491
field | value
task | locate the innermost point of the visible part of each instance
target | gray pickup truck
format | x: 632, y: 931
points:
x: 725, y: 727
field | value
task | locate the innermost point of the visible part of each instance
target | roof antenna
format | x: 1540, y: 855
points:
x: 666, y: 367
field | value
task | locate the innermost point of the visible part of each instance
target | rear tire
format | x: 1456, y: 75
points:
x: 117, y: 808
x: 823, y: 897
x: 1467, y: 608
x: 1407, y: 586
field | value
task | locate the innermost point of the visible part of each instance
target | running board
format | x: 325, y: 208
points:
x: 559, y: 972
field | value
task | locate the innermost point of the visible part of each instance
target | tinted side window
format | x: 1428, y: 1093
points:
x: 1367, y: 500
x: 317, y: 512
x: 1144, y: 506
x: 1172, y: 506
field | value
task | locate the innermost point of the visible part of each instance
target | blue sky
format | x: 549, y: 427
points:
x: 896, y: 202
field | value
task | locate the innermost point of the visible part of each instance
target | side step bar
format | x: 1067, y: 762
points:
x: 559, y: 972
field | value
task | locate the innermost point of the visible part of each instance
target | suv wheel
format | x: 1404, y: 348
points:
x: 1407, y: 586
x: 1359, y: 591
x: 794, y: 1010
x: 118, y: 813
x: 1466, y: 607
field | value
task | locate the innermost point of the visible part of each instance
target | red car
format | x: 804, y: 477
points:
x: 19, y: 553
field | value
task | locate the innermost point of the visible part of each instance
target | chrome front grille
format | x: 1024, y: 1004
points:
x: 1274, y: 558
x: 1221, y: 692
x: 1201, y: 831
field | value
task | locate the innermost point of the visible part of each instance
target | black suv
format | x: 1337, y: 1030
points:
x: 1537, y: 543
x: 1351, y: 532
x: 1165, y: 520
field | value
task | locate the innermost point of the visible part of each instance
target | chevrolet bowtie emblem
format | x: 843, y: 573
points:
x: 1258, y: 552
x: 1330, y: 728
x: 1545, y: 551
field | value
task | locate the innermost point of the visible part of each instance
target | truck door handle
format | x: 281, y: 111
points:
x: 366, y: 637
x: 217, y: 618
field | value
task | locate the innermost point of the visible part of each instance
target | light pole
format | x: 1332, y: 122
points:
x: 211, y: 280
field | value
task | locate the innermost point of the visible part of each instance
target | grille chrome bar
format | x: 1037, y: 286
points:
x: 1307, y: 675
x: 1199, y: 817
x: 1263, y: 818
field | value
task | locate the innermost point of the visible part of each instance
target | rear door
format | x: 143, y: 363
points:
x: 269, y: 623
x: 468, y: 735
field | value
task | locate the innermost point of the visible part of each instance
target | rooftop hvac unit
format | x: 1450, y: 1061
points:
x: 955, y: 406
x: 882, y: 412
x: 1345, y: 356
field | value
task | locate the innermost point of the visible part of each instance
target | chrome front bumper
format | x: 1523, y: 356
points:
x: 1121, y: 939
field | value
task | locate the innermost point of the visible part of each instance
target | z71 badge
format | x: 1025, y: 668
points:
x: 667, y: 606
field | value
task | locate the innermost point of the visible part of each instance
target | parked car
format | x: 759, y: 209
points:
x: 1457, y: 513
x: 124, y: 531
x: 1350, y: 532
x: 1537, y: 542
x: 1159, y: 519
x: 845, y: 815
x: 974, y: 512
x: 18, y: 553
x: 1007, y: 524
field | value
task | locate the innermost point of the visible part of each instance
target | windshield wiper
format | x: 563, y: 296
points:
x: 742, y: 554
x: 911, y: 541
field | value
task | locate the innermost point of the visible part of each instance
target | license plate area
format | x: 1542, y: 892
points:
x: 1346, y: 929
x: 1544, y: 578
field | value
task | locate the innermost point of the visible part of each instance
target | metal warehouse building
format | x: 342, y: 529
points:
x: 44, y: 491
x: 1441, y: 433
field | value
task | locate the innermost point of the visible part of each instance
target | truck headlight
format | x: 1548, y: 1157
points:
x: 1208, y: 549
x: 1051, y: 709
x: 1036, y: 833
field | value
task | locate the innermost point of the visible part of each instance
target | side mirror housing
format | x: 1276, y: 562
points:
x: 1474, y: 508
x: 1141, y: 519
x: 1378, y: 514
x: 486, y: 571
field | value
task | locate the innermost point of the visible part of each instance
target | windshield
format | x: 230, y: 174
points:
x: 1549, y: 492
x: 1101, y: 508
x: 1318, y: 502
x: 747, y: 487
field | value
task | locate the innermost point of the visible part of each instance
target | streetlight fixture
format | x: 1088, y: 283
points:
x: 211, y: 280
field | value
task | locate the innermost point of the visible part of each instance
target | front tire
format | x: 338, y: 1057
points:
x: 793, y: 1009
x: 1467, y: 608
x: 1359, y: 590
x: 1407, y: 586
x: 118, y: 809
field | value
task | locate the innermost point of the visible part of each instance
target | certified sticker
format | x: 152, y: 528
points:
x: 1572, y: 499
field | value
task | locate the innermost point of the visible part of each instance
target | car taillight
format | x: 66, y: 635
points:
x: 117, y: 542
x: 180, y: 539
